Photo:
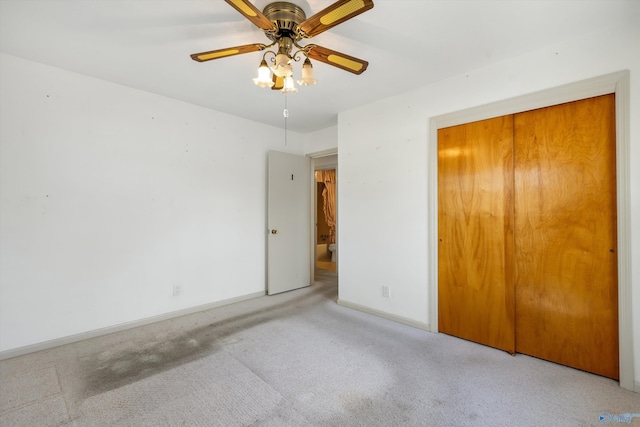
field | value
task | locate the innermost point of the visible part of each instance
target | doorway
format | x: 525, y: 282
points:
x: 325, y: 213
x: 326, y: 253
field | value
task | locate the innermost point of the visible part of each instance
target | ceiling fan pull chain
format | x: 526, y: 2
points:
x: 285, y: 114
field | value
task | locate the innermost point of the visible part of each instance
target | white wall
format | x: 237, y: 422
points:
x: 384, y: 182
x: 321, y: 140
x: 111, y: 196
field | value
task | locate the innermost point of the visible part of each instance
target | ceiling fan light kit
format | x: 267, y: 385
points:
x: 286, y: 25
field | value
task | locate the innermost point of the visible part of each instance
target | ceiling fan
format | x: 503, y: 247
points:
x: 286, y: 25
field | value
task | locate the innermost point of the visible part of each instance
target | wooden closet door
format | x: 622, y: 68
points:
x: 475, y: 227
x: 565, y: 235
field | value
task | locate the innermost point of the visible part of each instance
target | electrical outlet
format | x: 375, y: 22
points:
x: 386, y: 292
x: 177, y: 290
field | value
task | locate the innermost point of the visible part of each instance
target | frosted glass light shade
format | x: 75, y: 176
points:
x: 282, y: 68
x: 289, y: 86
x: 264, y: 75
x: 307, y: 74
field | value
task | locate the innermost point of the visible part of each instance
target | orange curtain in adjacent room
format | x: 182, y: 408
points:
x: 328, y: 177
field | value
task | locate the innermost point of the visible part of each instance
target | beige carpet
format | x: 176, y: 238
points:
x: 296, y: 359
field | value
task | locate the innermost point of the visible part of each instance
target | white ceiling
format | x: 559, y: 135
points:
x: 145, y: 44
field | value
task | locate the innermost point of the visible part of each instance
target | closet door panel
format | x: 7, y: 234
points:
x: 475, y: 226
x: 565, y: 235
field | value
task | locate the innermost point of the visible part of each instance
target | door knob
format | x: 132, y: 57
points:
x: 274, y: 231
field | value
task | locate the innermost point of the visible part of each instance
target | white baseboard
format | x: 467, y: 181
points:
x: 45, y: 345
x: 385, y: 315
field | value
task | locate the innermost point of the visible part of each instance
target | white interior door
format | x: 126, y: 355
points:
x: 289, y: 222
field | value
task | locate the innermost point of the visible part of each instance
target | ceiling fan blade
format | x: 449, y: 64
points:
x: 230, y: 51
x: 252, y: 14
x: 278, y: 82
x: 337, y: 59
x: 333, y: 15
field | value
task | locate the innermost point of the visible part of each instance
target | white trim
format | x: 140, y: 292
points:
x: 70, y: 339
x: 323, y: 153
x: 314, y: 220
x: 617, y: 83
x: 384, y: 315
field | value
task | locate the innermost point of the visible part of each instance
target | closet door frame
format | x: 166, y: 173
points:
x: 617, y: 83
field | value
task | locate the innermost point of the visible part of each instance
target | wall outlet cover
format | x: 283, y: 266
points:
x: 386, y: 292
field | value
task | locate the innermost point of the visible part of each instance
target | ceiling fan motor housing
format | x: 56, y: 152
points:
x: 285, y: 16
